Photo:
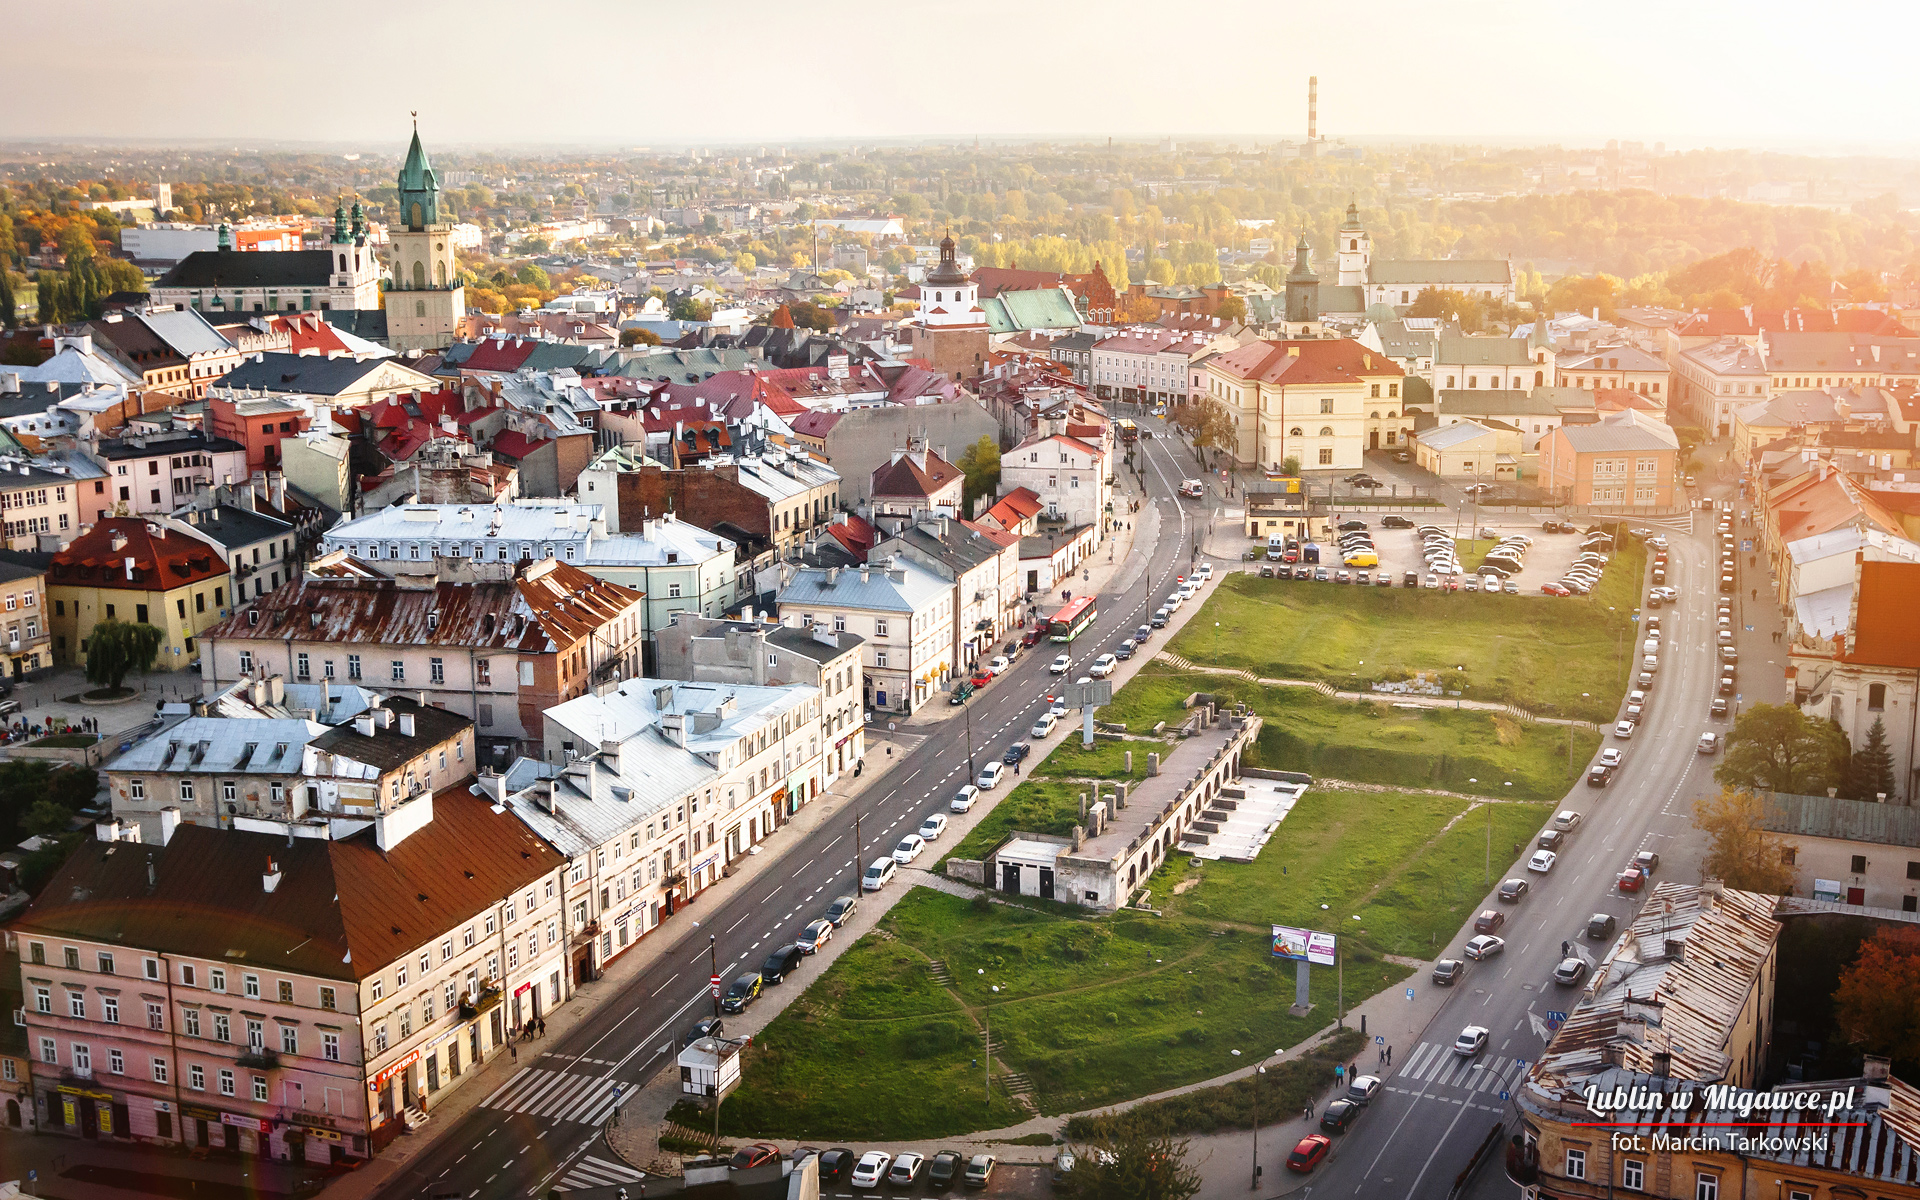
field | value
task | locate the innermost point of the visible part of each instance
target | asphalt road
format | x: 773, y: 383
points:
x: 1437, y: 1106
x: 542, y: 1128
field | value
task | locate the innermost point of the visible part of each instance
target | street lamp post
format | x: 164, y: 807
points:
x: 713, y: 960
x: 1254, y: 1184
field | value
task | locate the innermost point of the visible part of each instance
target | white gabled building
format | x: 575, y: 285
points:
x: 1068, y: 474
x: 904, y: 613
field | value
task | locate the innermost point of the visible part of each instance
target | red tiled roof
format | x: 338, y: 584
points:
x: 1885, y: 633
x: 999, y: 537
x: 513, y: 444
x: 499, y: 355
x: 162, y: 558
x: 905, y: 477
x: 1305, y: 362
x: 815, y: 424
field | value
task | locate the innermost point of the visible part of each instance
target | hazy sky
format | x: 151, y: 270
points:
x: 625, y: 72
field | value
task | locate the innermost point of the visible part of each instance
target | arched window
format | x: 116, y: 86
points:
x: 343, y: 262
x: 1373, y: 416
x: 1326, y: 431
x: 1353, y: 244
x: 1294, y: 432
x: 419, y: 308
x: 440, y: 274
x: 413, y: 215
x: 419, y: 274
x: 1539, y: 379
x: 1450, y: 382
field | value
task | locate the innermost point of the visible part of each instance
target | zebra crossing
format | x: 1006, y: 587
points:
x: 558, y: 1096
x: 598, y: 1172
x: 1482, y: 1079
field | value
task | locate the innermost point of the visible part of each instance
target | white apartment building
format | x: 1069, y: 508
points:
x: 902, y: 612
x: 1151, y: 365
x: 1713, y: 381
x: 1068, y: 474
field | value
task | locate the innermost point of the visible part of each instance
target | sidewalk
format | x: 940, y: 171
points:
x: 620, y: 978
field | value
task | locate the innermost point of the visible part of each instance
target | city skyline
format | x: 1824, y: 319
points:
x: 1506, y: 72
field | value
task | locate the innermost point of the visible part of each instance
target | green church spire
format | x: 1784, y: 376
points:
x: 419, y: 186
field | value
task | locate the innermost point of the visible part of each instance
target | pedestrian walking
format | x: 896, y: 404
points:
x: 1307, y: 1112
x: 1383, y: 1054
x: 1389, y: 1055
x: 513, y: 1050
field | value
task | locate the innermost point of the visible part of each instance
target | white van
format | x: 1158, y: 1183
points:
x: 1650, y: 646
x: 1276, y: 541
x: 1044, y: 725
x: 880, y: 873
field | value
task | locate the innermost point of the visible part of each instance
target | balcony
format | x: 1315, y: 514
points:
x: 259, y: 1058
x: 472, y: 1006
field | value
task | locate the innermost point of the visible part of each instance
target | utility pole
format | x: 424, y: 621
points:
x: 713, y: 960
x: 858, y: 848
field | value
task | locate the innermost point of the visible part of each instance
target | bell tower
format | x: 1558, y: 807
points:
x: 1356, y: 249
x: 425, y: 300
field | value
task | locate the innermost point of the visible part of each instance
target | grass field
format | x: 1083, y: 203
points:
x: 1537, y: 652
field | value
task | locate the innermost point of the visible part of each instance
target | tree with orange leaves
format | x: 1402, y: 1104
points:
x: 1877, y: 1005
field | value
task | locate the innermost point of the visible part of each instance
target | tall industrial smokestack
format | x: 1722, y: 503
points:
x: 1313, y: 108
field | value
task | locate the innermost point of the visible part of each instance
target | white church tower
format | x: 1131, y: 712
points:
x: 1356, y: 249
x: 425, y: 300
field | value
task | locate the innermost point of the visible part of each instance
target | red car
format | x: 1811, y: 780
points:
x: 1307, y: 1155
x: 1632, y: 879
x: 981, y: 678
x: 1554, y: 589
x: 755, y: 1155
x: 1033, y: 637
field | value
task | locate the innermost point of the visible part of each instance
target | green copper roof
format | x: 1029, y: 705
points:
x: 419, y: 188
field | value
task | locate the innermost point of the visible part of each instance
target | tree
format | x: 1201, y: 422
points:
x: 1231, y: 308
x: 534, y: 276
x: 1449, y: 303
x: 1744, y: 854
x: 745, y: 263
x: 636, y: 336
x: 117, y: 647
x: 1871, y: 770
x: 1207, y: 422
x: 1776, y: 747
x: 782, y: 318
x: 1877, y: 1005
x: 1290, y: 465
x: 9, y: 316
x: 686, y: 308
x: 981, y: 465
x: 1125, y: 1163
x: 808, y: 315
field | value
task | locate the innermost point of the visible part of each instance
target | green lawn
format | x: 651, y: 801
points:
x: 1538, y: 652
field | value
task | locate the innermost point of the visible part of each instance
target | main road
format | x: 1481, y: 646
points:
x: 1437, y: 1107
x: 542, y: 1126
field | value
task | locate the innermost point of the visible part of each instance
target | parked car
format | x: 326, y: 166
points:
x: 980, y: 1170
x: 1623, y: 729
x: 880, y: 873
x: 815, y: 935
x: 1567, y: 819
x: 1550, y: 839
x: 910, y: 848
x: 1124, y: 650
x: 841, y: 909
x: 705, y: 1027
x: 1447, y: 971
x: 1308, y: 1152
x: 943, y: 1170
x: 962, y: 691
x: 1395, y: 521
x: 1632, y: 879
x: 1600, y: 926
x: 1709, y: 743
x: 835, y: 1164
x: 990, y: 776
x: 963, y: 799
x: 745, y: 990
x: 1484, y: 947
x: 1613, y: 755
x: 782, y: 963
x: 1339, y: 1116
x: 1717, y: 709
x: 1542, y: 861
x: 871, y: 1169
x: 1489, y: 921
x: 906, y: 1168
x: 1103, y: 666
x: 1363, y: 1088
x: 1647, y: 861
x: 1599, y: 775
x: 1016, y: 753
x: 757, y: 1155
x: 1514, y: 890
x: 1571, y: 970
x: 1141, y: 633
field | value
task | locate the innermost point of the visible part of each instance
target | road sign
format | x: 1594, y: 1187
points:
x: 1746, y: 545
x: 713, y: 981
x: 1503, y: 1095
x: 1379, y: 1041
x: 1556, y: 1016
x: 1636, y: 618
x: 1409, y: 993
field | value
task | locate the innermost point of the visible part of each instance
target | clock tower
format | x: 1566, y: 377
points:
x: 424, y: 298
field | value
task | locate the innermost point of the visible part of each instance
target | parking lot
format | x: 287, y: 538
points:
x: 1399, y: 550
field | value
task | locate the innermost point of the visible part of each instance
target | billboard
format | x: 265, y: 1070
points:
x: 1303, y: 945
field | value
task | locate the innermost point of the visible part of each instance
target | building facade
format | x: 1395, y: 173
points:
x: 130, y: 570
x: 1324, y: 402
x: 1625, y: 460
x: 903, y: 614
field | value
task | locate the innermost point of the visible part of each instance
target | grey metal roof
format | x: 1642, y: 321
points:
x: 1508, y: 402
x: 1482, y: 352
x: 1447, y: 436
x: 1438, y: 272
x: 803, y: 642
x: 1845, y: 820
x: 312, y: 373
x: 1627, y: 430
x: 870, y: 590
x: 232, y: 527
x: 185, y: 331
x: 210, y: 745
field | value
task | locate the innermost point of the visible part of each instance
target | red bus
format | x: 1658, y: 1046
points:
x: 1072, y: 621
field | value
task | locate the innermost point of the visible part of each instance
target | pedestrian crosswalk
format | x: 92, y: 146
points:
x: 599, y: 1172
x: 1435, y: 1065
x: 558, y: 1095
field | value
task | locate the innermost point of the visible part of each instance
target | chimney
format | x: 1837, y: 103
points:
x: 169, y: 821
x: 270, y: 878
x: 363, y: 724
x: 406, y: 724
x: 383, y: 717
x: 610, y: 754
x: 1874, y: 1068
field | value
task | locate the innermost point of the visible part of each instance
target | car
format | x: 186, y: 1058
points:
x: 963, y: 799
x: 1512, y: 891
x: 1173, y: 602
x: 1061, y: 664
x: 1123, y: 651
x: 980, y: 1170
x: 1632, y: 879
x: 880, y: 873
x: 906, y: 1168
x: 1726, y: 685
x: 1567, y: 819
x: 1600, y: 926
x: 1623, y: 729
x: 1192, y: 489
x: 1512, y: 588
x: 1395, y: 521
x: 1709, y: 743
x: 1032, y: 637
x: 745, y: 990
x: 1647, y: 861
x: 842, y: 909
x: 1103, y: 666
x: 961, y: 691
x: 815, y: 935
x: 1141, y: 634
x: 1432, y: 583
x: 1059, y: 710
x: 1352, y: 524
x: 980, y: 678
x: 1321, y: 575
x: 1383, y: 579
x: 871, y: 1169
x: 1342, y: 577
x: 1470, y: 585
x: 757, y: 1155
x: 1599, y: 775
x: 705, y: 1027
x: 999, y: 664
x: 1489, y: 921
x: 835, y: 1163
x: 782, y: 963
x: 1159, y: 622
x: 1717, y: 709
x: 1478, y: 489
x: 1542, y: 861
x: 1552, y: 526
x: 1308, y: 1152
x: 1043, y: 725
x: 1550, y: 839
x: 1339, y: 1116
x: 1472, y: 1040
x: 990, y: 776
x: 1401, y: 456
x: 1361, y: 1089
x: 1555, y: 589
x: 1016, y: 753
x: 1205, y: 572
x: 1447, y: 971
x: 1572, y: 970
x: 943, y: 1170
x: 1484, y: 947
x: 910, y: 848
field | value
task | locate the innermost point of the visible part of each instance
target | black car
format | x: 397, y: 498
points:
x: 1395, y: 521
x: 836, y: 1164
x: 781, y: 963
x: 1599, y: 775
x: 1141, y: 634
x: 841, y: 909
x: 1016, y: 752
x: 1351, y: 525
x: 1447, y: 971
x: 1600, y: 926
x: 704, y: 1027
x: 944, y: 1170
x: 1512, y: 890
x: 1339, y: 1116
x: 745, y: 991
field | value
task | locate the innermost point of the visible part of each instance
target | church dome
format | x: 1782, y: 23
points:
x: 948, y: 273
